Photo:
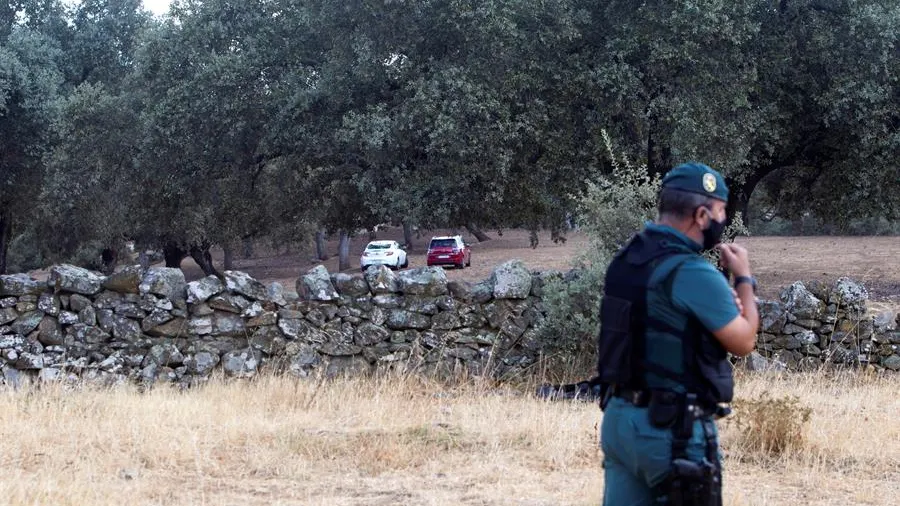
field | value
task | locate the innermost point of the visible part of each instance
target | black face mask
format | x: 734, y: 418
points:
x: 712, y: 235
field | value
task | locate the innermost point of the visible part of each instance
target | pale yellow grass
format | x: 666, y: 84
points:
x: 400, y: 441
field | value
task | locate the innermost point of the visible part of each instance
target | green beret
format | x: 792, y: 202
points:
x: 697, y: 178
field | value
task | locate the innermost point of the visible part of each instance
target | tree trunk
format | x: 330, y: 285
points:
x: 109, y: 258
x: 201, y: 255
x: 5, y: 234
x: 739, y: 198
x: 173, y: 255
x: 344, y: 251
x: 477, y: 232
x: 321, y: 250
x: 248, y: 248
x: 408, y: 236
x: 659, y: 156
x: 228, y: 260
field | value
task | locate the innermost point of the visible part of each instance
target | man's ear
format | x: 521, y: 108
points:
x: 698, y: 216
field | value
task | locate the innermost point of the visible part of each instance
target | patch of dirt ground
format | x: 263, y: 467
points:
x: 777, y: 261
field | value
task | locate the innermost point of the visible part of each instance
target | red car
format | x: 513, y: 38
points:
x: 449, y: 250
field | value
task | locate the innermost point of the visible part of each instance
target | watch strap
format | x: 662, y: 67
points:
x: 745, y: 279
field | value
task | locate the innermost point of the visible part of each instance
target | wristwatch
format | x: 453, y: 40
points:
x: 745, y: 279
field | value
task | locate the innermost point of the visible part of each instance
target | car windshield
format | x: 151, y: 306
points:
x: 378, y: 246
x: 443, y: 243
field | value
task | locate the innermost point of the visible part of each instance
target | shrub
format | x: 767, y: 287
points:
x: 614, y: 208
x: 769, y: 427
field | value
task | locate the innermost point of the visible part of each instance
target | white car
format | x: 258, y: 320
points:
x: 388, y: 253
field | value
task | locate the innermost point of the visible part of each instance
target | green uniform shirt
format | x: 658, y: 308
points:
x: 698, y: 290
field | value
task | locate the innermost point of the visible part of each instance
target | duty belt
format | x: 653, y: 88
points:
x: 641, y: 399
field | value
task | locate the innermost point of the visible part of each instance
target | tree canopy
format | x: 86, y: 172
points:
x: 224, y: 121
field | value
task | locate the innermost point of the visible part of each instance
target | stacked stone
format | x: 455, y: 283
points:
x: 150, y: 325
x: 818, y: 324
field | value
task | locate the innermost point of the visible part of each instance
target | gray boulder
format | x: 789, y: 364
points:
x: 511, y: 280
x: 86, y: 334
x: 20, y: 284
x: 202, y: 363
x: 67, y: 318
x: 772, y: 317
x: 155, y: 319
x: 7, y: 315
x: 69, y: 278
x: 268, y: 340
x: 368, y: 334
x: 276, y: 294
x: 316, y: 285
x: 127, y: 280
x: 77, y: 303
x: 892, y: 362
x: 200, y: 326
x: 801, y: 303
x: 31, y: 361
x: 885, y: 321
x: 174, y: 327
x: 226, y: 324
x: 231, y: 303
x: 50, y: 333
x: 201, y: 290
x: 303, y: 359
x: 350, y: 286
x: 26, y: 323
x: 849, y: 293
x: 483, y: 291
x: 166, y: 354
x: 381, y: 280
x: 460, y: 290
x: 164, y: 281
x: 244, y: 284
x: 398, y: 319
x: 49, y: 303
x: 241, y: 363
x: 125, y: 329
x: 427, y: 281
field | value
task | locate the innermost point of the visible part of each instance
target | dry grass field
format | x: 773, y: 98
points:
x: 406, y: 441
x: 409, y: 441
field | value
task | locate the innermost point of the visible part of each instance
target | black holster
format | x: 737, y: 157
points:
x: 689, y: 483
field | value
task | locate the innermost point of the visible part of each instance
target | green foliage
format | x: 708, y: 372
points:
x: 25, y: 252
x: 615, y: 208
x: 618, y: 205
x: 231, y: 120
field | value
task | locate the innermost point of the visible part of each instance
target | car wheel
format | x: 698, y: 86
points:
x: 405, y: 263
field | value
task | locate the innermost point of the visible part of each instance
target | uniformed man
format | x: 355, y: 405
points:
x: 668, y: 320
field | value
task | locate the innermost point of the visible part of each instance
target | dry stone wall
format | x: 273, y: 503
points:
x: 150, y: 325
x: 818, y: 325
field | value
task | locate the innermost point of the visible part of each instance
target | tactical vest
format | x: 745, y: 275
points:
x: 623, y: 341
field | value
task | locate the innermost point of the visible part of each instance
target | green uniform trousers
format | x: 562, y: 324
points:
x: 637, y: 455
